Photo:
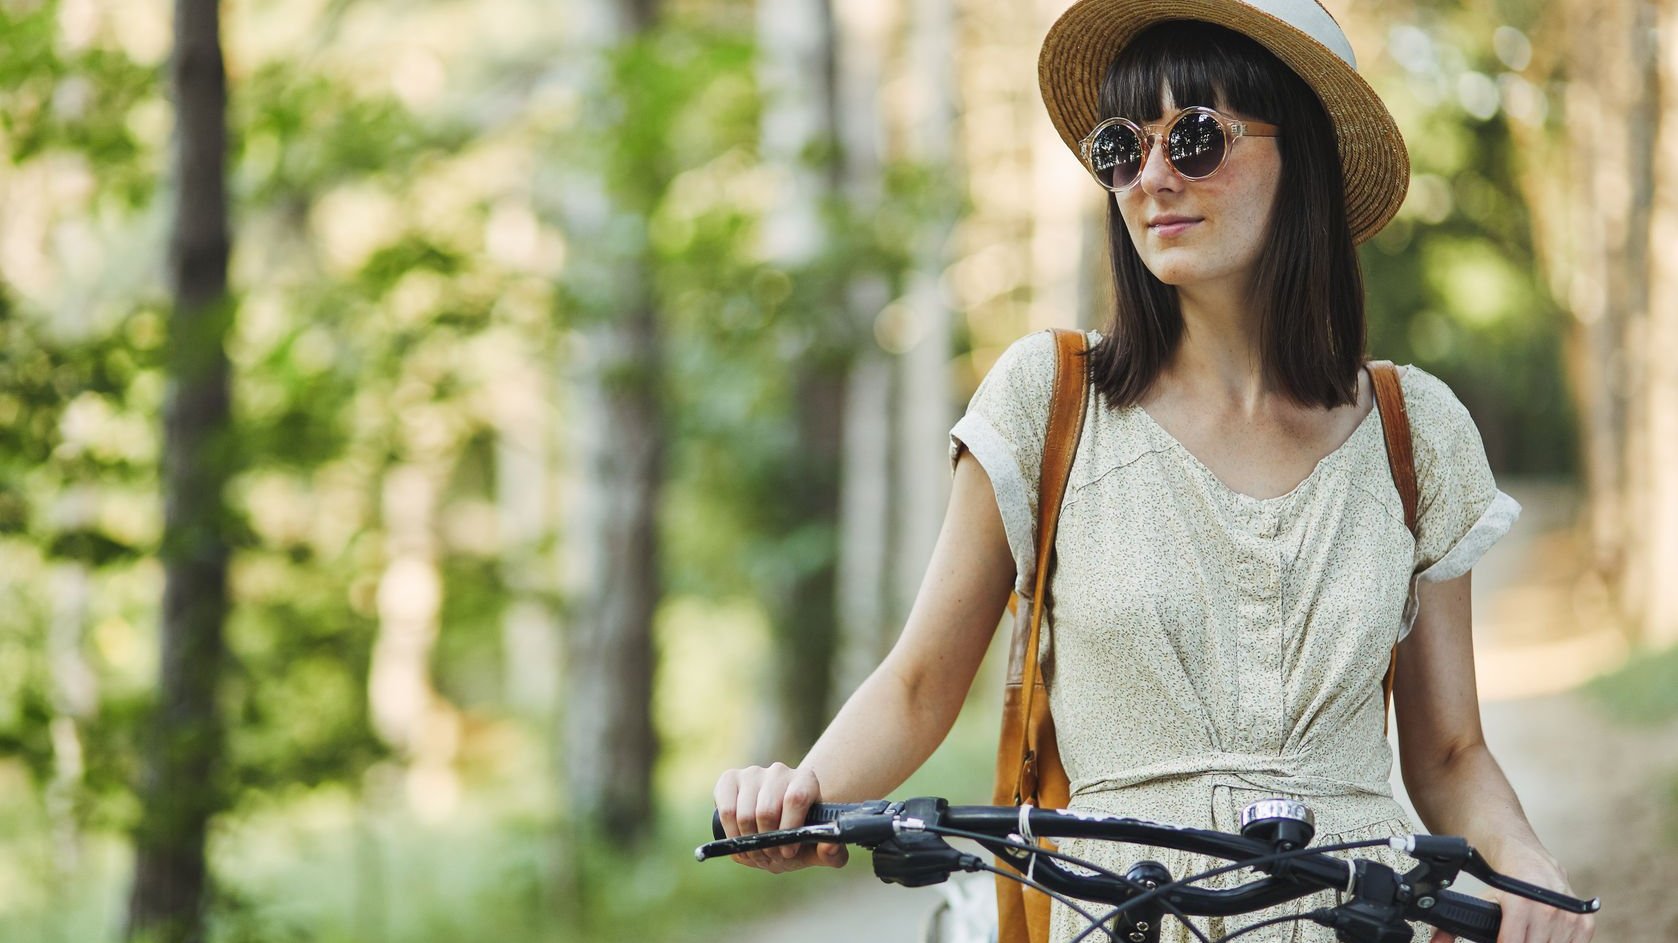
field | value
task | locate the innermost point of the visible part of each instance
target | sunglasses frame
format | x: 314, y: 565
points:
x: 1232, y: 128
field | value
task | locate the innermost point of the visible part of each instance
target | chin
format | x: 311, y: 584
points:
x: 1174, y: 274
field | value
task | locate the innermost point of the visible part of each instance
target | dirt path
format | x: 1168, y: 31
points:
x: 1600, y: 795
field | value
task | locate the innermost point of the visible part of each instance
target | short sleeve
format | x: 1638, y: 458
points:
x: 1004, y: 427
x: 1461, y: 512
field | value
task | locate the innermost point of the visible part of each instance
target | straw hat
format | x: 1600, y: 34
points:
x: 1084, y: 41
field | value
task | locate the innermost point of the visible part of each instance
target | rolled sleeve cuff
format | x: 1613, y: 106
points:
x: 1499, y: 516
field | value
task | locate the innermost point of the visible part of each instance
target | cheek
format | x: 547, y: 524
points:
x: 1130, y: 214
x: 1122, y: 202
x: 1264, y: 188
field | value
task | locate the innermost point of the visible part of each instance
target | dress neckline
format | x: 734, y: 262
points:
x: 1332, y: 458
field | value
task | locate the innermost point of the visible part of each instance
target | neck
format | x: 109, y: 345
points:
x: 1221, y: 354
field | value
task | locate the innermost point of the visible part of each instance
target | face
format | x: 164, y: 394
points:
x: 1232, y: 208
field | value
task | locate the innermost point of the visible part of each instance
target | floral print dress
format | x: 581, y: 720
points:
x: 1205, y: 648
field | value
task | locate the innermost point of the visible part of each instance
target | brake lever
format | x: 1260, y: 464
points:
x: 757, y: 841
x: 1481, y: 869
x: 1441, y: 857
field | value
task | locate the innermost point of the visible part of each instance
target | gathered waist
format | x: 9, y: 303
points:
x: 1295, y: 774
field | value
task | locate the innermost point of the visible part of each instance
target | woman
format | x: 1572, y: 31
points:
x: 1233, y: 565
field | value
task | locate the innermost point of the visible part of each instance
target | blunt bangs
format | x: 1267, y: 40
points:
x: 1202, y: 64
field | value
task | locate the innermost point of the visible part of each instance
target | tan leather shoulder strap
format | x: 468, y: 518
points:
x: 1066, y: 422
x: 1389, y: 398
x: 1401, y: 460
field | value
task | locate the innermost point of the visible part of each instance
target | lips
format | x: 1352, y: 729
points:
x: 1170, y: 225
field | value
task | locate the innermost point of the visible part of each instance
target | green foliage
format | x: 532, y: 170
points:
x: 1644, y: 691
x: 77, y: 459
x: 1453, y: 282
x: 80, y: 102
x: 374, y: 316
x: 319, y: 367
x: 295, y: 696
x: 299, y: 131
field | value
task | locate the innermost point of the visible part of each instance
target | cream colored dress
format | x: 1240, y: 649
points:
x: 1207, y: 648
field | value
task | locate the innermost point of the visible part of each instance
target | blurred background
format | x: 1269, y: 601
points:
x: 546, y: 410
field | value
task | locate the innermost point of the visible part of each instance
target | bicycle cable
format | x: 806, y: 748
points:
x: 1167, y: 905
x: 1225, y: 869
x: 1028, y: 882
x: 1034, y: 849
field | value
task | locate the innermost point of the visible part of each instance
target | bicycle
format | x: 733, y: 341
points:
x: 1376, y: 903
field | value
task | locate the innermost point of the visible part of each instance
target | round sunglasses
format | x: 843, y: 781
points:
x: 1197, y: 142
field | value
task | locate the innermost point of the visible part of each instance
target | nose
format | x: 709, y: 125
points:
x: 1157, y: 173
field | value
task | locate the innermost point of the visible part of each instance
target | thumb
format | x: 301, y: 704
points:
x: 1440, y: 936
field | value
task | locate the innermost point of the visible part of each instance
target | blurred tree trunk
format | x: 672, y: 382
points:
x: 610, y: 745
x: 618, y: 439
x: 1060, y: 197
x: 178, y: 790
x: 1660, y: 343
x: 1596, y: 193
x: 865, y: 627
x: 924, y: 338
x: 796, y: 71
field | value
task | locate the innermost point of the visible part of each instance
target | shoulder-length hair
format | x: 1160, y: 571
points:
x: 1309, y: 287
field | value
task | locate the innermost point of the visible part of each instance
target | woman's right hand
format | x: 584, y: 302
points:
x: 761, y: 799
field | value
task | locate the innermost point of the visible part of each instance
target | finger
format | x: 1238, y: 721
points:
x: 767, y: 809
x: 745, y: 801
x: 745, y: 811
x: 1440, y: 936
x: 1514, y: 926
x: 770, y: 797
x: 726, y: 795
x: 802, y: 791
x: 1572, y: 928
x: 1545, y: 925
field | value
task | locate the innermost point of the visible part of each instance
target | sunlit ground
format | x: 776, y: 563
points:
x: 1542, y: 620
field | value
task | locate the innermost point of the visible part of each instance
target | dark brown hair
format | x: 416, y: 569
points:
x: 1308, y: 281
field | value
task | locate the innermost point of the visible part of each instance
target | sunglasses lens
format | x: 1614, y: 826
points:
x: 1196, y: 144
x: 1116, y: 155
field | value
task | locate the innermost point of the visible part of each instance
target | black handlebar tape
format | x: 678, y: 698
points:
x: 820, y: 814
x: 1467, y: 917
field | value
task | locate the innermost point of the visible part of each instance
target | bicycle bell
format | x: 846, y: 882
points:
x: 1284, y: 823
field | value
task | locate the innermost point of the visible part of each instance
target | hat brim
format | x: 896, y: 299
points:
x: 1081, y: 45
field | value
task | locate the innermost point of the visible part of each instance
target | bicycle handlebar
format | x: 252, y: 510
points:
x: 1382, y: 899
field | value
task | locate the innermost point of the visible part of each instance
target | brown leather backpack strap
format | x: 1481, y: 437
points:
x: 1401, y: 460
x: 1066, y: 424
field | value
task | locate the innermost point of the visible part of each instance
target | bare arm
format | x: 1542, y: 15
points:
x: 1452, y: 778
x: 904, y: 709
x: 918, y: 690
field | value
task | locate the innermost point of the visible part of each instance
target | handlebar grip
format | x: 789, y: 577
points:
x: 1467, y: 917
x: 820, y: 814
